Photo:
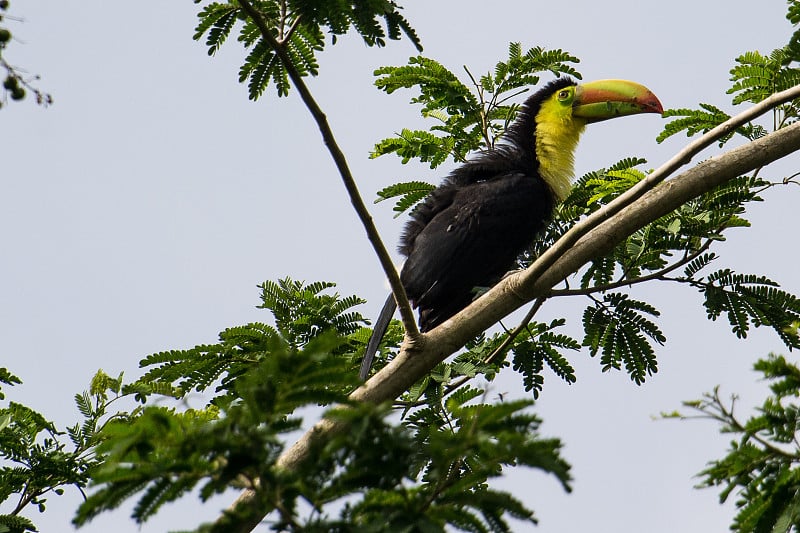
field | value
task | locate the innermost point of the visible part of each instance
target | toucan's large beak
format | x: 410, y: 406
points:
x: 604, y: 99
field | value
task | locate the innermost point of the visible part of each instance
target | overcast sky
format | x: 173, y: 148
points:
x: 140, y: 211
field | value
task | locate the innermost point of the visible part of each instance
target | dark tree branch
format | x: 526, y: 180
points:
x: 406, y: 314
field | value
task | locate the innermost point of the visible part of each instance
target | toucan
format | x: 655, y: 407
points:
x: 470, y: 230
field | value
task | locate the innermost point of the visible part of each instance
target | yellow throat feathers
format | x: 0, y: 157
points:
x: 557, y: 134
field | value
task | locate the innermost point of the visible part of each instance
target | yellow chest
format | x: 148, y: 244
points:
x: 556, y: 140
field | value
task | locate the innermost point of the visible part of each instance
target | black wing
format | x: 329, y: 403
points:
x: 470, y: 240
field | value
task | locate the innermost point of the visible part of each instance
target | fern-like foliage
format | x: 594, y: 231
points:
x: 304, y: 311
x: 619, y: 329
x: 589, y: 192
x: 762, y: 465
x: 7, y: 378
x: 483, y: 355
x: 658, y: 246
x: 296, y: 28
x: 409, y: 194
x: 301, y: 312
x: 432, y: 389
x: 756, y: 76
x: 749, y: 299
x: 38, y: 460
x: 539, y: 345
x: 16, y: 524
x: 465, y: 445
x: 163, y: 453
x: 432, y: 470
x: 417, y: 144
x: 678, y: 240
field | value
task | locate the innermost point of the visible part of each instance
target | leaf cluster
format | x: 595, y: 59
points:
x: 619, y: 327
x: 762, y: 465
x: 535, y: 347
x: 464, y: 445
x: 751, y: 299
x: 479, y: 358
x: 428, y: 472
x: 655, y: 246
x: 661, y: 245
x: 259, y: 374
x: 286, y: 36
x: 673, y: 248
x: 163, y: 453
x: 539, y: 345
x: 301, y: 313
x: 37, y: 459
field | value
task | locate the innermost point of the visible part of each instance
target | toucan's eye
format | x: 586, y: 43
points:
x: 563, y: 95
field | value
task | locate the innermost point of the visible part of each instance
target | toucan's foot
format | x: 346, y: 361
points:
x: 512, y: 272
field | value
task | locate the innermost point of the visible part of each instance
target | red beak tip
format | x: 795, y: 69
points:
x: 655, y: 106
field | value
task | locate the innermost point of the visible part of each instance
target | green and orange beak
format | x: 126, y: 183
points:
x: 605, y: 99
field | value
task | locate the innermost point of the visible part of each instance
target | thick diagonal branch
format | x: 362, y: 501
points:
x: 415, y: 361
x: 658, y: 175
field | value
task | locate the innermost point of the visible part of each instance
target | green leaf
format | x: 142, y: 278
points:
x: 299, y: 29
x: 694, y: 122
x: 409, y: 193
x: 618, y: 328
x: 302, y: 313
x: 417, y: 144
x: 749, y: 299
x: 540, y: 345
x: 15, y: 524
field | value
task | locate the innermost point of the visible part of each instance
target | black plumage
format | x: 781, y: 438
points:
x: 468, y: 236
x: 469, y: 231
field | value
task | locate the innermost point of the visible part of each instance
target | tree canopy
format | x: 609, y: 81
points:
x: 421, y: 445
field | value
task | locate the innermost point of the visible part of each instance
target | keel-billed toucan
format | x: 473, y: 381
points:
x: 470, y: 230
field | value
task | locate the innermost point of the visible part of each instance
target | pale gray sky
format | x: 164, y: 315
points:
x: 139, y: 212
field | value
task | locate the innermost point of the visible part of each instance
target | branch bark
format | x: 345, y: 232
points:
x: 417, y: 359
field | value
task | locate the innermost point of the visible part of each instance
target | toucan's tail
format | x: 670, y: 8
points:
x: 381, y: 325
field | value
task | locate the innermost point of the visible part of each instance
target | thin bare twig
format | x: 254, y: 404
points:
x: 483, y: 109
x: 659, y: 275
x: 715, y: 409
x: 407, y: 315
